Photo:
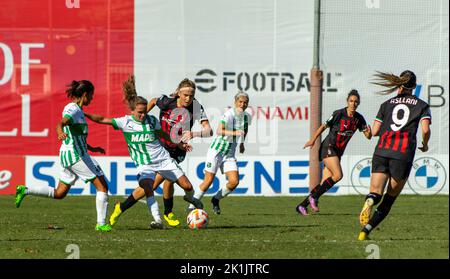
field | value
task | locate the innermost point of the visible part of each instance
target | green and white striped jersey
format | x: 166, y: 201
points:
x: 233, y: 122
x: 143, y: 143
x: 74, y: 146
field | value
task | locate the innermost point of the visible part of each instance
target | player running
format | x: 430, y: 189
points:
x: 342, y: 123
x: 141, y: 133
x: 396, y: 123
x: 178, y: 113
x: 232, y: 130
x: 74, y: 158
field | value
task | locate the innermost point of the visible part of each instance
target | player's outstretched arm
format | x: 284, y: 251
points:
x: 96, y: 149
x: 59, y: 128
x: 206, y: 132
x: 367, y: 132
x: 317, y: 133
x: 151, y: 104
x: 222, y: 131
x: 426, y: 134
x: 376, y: 128
x: 99, y: 118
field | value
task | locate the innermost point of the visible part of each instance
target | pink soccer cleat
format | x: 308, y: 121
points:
x: 302, y: 210
x: 313, y: 204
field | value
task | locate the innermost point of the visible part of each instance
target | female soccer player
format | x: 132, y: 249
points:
x: 74, y: 158
x: 141, y: 133
x: 232, y: 130
x: 178, y: 113
x: 397, y: 122
x: 343, y: 123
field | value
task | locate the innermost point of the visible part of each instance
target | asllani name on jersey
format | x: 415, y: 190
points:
x: 404, y: 100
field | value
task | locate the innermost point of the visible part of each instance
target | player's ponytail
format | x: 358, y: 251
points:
x: 76, y: 89
x: 129, y: 93
x: 407, y: 80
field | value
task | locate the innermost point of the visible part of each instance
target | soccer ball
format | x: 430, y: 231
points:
x: 197, y: 219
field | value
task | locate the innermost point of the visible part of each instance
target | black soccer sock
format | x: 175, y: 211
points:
x: 305, y: 202
x: 322, y: 189
x: 129, y: 202
x: 315, y: 189
x: 168, y: 205
x: 380, y: 213
x: 375, y: 197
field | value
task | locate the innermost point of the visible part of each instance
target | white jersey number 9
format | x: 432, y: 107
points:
x: 399, y: 122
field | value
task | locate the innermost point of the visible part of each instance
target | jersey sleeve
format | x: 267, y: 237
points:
x: 426, y: 113
x: 162, y: 102
x: 332, y: 119
x: 226, y: 118
x: 361, y: 124
x: 69, y: 113
x: 155, y: 122
x: 380, y: 114
x: 119, y: 123
x: 199, y: 112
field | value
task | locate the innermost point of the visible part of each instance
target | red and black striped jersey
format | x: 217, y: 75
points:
x: 342, y: 128
x: 400, y: 117
x: 176, y: 120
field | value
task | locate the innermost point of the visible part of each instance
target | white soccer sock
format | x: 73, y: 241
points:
x: 222, y: 193
x: 43, y: 191
x: 154, y: 209
x: 101, y: 202
x: 199, y: 194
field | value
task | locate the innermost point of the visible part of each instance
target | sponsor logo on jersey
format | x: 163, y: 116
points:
x: 142, y: 138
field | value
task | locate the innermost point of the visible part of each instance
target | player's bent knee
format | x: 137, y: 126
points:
x: 233, y: 183
x: 337, y: 178
x: 60, y: 195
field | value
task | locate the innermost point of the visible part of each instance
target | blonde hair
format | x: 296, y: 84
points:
x: 241, y: 94
x: 184, y: 83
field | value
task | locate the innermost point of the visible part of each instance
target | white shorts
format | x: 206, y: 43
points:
x: 169, y: 169
x: 215, y: 160
x: 86, y: 168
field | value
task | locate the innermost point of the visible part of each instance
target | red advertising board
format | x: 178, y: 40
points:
x: 44, y: 45
x: 12, y: 173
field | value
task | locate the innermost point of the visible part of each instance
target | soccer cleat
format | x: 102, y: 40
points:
x: 362, y: 236
x: 302, y: 210
x: 364, y: 216
x: 115, y: 215
x: 156, y: 226
x: 20, y: 194
x: 195, y: 202
x: 216, y: 207
x: 314, y: 204
x: 189, y: 208
x: 171, y: 219
x: 103, y: 228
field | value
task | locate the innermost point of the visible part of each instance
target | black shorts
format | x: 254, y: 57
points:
x: 327, y: 150
x: 176, y: 153
x: 397, y: 169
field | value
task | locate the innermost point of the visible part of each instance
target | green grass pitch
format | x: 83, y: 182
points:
x: 249, y: 228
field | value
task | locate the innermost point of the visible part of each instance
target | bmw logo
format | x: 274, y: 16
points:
x: 360, y: 177
x: 428, y: 176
